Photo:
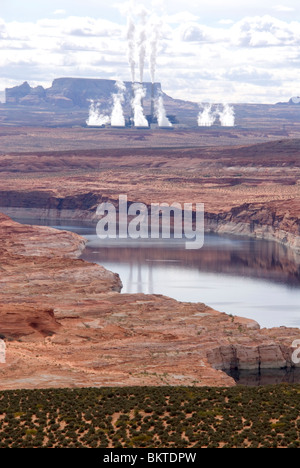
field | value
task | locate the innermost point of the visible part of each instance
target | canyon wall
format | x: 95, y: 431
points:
x: 277, y: 221
x: 66, y: 324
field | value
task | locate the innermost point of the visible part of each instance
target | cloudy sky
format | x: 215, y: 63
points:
x: 233, y: 51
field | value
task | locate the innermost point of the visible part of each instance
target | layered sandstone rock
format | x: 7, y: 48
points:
x: 66, y: 324
x: 26, y: 320
x: 100, y: 337
x: 257, y: 357
x: 38, y: 271
x: 39, y: 240
x: 277, y: 221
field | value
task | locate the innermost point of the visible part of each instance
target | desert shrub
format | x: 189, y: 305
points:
x: 207, y: 417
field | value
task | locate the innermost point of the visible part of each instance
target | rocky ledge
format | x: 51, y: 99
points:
x: 66, y: 324
x: 277, y: 221
x: 38, y: 240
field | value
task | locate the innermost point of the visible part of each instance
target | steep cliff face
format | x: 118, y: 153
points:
x: 238, y: 357
x: 72, y: 92
x: 279, y: 221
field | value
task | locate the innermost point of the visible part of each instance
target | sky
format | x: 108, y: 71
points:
x: 207, y: 51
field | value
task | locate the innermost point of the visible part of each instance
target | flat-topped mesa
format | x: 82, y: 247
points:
x: 74, y: 92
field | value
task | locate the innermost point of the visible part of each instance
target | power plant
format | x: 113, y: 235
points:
x: 133, y: 105
x: 128, y: 100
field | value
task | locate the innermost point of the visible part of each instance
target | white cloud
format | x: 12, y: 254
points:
x: 283, y: 8
x: 249, y: 74
x: 264, y: 31
x: 226, y: 21
x: 255, y: 59
x: 59, y: 12
x: 193, y: 32
x: 181, y: 17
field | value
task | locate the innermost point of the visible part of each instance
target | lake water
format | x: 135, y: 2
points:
x: 246, y: 277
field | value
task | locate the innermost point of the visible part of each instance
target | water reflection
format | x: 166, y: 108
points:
x: 250, y: 278
x: 246, y: 277
x: 233, y: 256
x: 266, y: 377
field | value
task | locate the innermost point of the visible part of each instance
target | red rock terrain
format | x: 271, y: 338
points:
x: 66, y: 325
x: 65, y: 322
x: 247, y: 190
x: 28, y: 241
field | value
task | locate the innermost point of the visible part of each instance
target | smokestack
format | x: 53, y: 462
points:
x: 131, y: 46
x: 142, y: 42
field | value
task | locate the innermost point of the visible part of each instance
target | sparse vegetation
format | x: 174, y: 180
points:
x: 156, y: 417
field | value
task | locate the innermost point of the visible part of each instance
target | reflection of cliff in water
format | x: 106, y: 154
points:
x: 266, y: 377
x: 233, y: 256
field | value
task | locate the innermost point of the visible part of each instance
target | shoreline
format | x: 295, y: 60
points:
x: 76, y: 329
x: 221, y: 223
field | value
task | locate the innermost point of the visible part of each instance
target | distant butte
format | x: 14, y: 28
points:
x: 67, y: 93
x: 65, y: 104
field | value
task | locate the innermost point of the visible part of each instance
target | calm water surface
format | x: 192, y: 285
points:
x: 247, y: 277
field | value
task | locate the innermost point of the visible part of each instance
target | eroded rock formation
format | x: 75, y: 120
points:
x: 66, y: 324
x: 279, y: 221
x: 65, y: 321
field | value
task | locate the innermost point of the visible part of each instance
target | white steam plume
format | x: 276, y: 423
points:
x: 206, y: 117
x: 131, y: 46
x: 96, y: 119
x: 138, y: 112
x: 117, y: 116
x: 160, y: 112
x: 227, y: 117
x: 142, y: 42
x: 154, y: 40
